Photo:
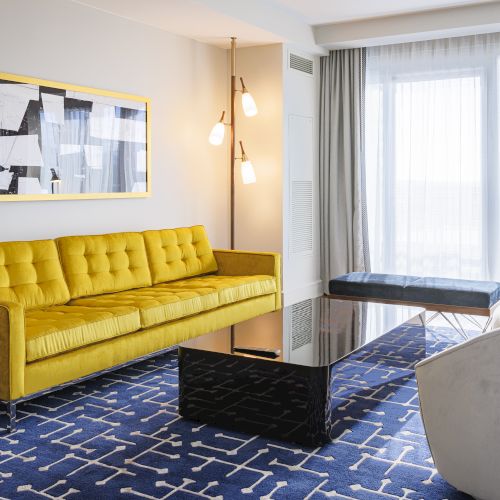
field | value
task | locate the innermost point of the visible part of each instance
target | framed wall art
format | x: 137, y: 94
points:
x: 61, y: 141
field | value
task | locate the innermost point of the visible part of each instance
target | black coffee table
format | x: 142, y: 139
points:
x: 272, y: 375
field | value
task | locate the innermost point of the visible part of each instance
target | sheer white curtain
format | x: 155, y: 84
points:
x: 432, y: 148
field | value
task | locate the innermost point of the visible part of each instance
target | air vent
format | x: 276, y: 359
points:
x: 300, y: 63
x: 301, y: 324
x: 302, y: 217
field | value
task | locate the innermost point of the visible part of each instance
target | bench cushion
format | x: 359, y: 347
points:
x: 446, y: 291
x: 372, y: 285
x: 230, y: 289
x: 157, y: 305
x: 59, y: 329
x: 179, y: 253
x: 455, y: 292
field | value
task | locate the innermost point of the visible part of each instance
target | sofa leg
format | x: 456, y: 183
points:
x: 11, y: 415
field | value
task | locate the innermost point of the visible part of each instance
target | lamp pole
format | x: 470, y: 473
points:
x: 233, y: 133
x: 216, y: 136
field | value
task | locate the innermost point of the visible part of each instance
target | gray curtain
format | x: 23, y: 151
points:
x: 344, y: 234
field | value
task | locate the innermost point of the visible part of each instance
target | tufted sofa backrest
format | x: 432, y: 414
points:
x: 31, y: 274
x: 179, y: 253
x: 104, y: 263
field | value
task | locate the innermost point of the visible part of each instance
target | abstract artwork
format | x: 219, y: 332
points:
x: 60, y: 141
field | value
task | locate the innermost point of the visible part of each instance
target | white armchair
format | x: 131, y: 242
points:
x: 459, y: 392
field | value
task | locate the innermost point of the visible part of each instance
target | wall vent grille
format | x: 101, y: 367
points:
x: 302, y: 316
x: 302, y: 217
x: 300, y: 63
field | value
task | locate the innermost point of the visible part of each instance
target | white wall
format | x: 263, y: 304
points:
x: 186, y: 81
x: 301, y: 265
x: 259, y: 205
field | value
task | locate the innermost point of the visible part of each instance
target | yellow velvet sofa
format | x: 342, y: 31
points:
x: 79, y: 305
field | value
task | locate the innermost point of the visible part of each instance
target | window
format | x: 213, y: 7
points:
x: 431, y: 154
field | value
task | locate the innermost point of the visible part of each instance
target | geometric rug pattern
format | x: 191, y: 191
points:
x: 120, y: 436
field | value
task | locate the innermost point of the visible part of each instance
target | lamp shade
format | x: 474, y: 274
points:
x: 217, y: 134
x: 248, y: 104
x: 247, y: 172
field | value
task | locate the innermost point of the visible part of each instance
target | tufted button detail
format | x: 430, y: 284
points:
x: 30, y: 273
x: 105, y: 263
x: 157, y: 305
x: 179, y: 253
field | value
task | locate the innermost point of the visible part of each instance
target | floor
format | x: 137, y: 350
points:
x: 119, y: 436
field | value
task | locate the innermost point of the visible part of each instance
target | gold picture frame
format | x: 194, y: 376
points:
x: 97, y: 123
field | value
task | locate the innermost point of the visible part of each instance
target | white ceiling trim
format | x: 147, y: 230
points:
x: 317, y: 12
x: 442, y: 23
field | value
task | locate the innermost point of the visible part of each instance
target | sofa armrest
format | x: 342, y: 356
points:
x: 245, y: 263
x: 12, y: 350
x: 459, y: 400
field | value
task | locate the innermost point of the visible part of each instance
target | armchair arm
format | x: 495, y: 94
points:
x: 459, y: 400
x: 244, y: 263
x: 12, y: 350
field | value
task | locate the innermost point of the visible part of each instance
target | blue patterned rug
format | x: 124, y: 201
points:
x: 120, y: 436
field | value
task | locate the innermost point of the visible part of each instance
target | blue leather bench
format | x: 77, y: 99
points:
x: 435, y: 294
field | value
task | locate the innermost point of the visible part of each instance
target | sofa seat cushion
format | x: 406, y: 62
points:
x: 230, y: 289
x: 58, y: 329
x: 157, y: 306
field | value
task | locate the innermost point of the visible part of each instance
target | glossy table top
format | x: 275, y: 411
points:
x: 313, y: 333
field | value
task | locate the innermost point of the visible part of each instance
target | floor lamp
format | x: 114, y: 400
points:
x: 216, y: 136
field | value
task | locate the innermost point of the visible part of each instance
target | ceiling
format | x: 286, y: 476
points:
x: 190, y: 18
x: 316, y: 12
x: 258, y: 22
